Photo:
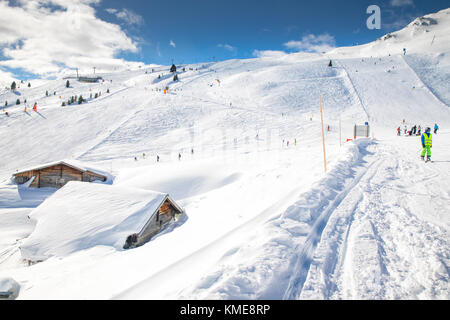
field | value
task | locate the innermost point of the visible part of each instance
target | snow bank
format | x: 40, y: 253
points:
x: 9, y: 289
x: 83, y: 215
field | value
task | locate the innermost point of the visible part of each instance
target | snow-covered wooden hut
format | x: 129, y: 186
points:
x: 80, y: 216
x: 57, y: 174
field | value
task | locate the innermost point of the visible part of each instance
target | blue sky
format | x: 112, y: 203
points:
x: 199, y: 27
x: 111, y: 32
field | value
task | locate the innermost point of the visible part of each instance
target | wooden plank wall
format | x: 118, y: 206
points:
x: 51, y: 176
x: 57, y: 176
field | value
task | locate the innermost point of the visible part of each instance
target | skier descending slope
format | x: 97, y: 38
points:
x: 427, y: 142
x: 436, y: 128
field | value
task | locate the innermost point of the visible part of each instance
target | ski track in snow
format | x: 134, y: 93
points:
x: 374, y: 245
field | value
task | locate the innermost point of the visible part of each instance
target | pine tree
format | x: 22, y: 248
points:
x: 107, y: 91
x: 330, y: 64
x: 29, y: 85
x: 17, y: 101
x: 13, y: 86
x: 46, y: 93
x: 67, y: 84
x: 173, y: 68
x: 175, y: 77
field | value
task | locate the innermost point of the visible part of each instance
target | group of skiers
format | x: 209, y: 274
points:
x: 414, y: 131
x: 34, y: 107
x: 426, y: 138
x: 158, y: 158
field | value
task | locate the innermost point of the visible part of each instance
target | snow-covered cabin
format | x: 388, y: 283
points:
x: 57, y: 174
x: 84, y: 215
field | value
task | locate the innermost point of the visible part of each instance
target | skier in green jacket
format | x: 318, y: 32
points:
x: 427, y: 142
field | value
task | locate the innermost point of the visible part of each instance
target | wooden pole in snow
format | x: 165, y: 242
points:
x: 323, y: 136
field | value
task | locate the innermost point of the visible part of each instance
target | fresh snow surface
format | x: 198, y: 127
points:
x: 265, y: 221
x: 83, y: 215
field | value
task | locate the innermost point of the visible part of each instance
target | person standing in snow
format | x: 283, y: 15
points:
x: 427, y: 144
x: 398, y: 131
x: 419, y: 130
x: 406, y: 130
x: 436, y: 128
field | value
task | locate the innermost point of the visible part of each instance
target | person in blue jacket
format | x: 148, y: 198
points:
x: 436, y: 128
x: 427, y: 143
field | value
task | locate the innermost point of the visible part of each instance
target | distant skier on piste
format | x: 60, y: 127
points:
x: 427, y: 144
x: 436, y: 128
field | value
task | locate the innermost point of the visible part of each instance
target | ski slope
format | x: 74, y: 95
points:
x: 264, y: 220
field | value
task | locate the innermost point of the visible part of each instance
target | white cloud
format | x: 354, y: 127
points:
x: 269, y: 53
x: 158, y: 49
x: 401, y: 3
x: 312, y: 43
x: 172, y: 44
x: 6, y: 78
x: 128, y: 16
x: 112, y: 11
x: 227, y: 47
x: 39, y: 38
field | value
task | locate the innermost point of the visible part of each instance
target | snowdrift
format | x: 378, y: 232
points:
x: 83, y: 215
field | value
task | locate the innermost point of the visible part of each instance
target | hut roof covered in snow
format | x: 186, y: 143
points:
x: 83, y: 215
x: 75, y: 164
x: 57, y: 174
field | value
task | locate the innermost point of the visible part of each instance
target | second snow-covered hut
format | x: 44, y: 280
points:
x: 83, y: 215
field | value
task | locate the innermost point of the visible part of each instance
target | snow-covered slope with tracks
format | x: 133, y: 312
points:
x: 265, y: 221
